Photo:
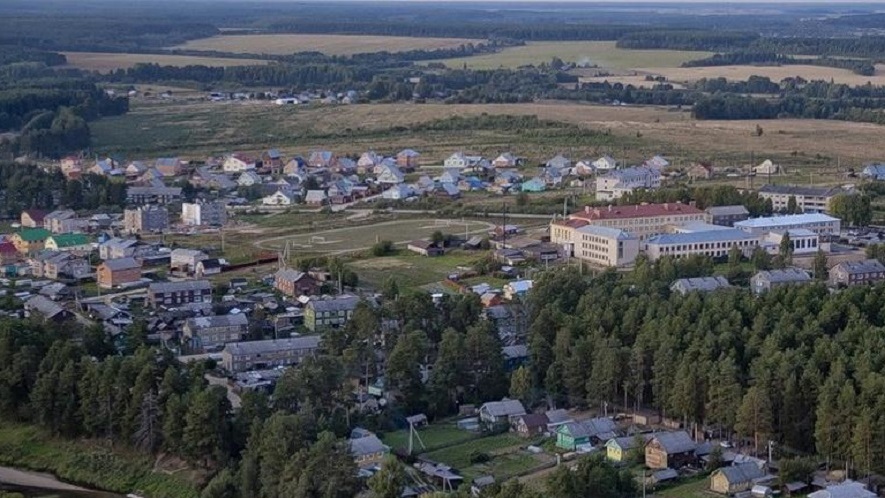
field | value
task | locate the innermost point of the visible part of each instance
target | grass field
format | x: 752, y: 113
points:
x: 698, y: 488
x: 106, y: 62
x: 197, y: 129
x: 433, y: 436
x: 776, y: 73
x: 327, y: 44
x: 412, y: 270
x: 601, y: 53
x: 458, y: 456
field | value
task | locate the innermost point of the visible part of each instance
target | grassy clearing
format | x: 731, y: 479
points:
x: 434, y: 436
x: 458, y: 456
x: 698, y: 488
x: 89, y: 464
x: 106, y: 62
x: 412, y: 270
x: 601, y: 53
x: 327, y: 44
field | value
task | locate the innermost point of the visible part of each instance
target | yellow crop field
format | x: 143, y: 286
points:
x: 776, y: 73
x: 601, y: 53
x: 283, y: 44
x: 105, y: 62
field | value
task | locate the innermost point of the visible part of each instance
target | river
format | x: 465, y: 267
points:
x: 38, y: 485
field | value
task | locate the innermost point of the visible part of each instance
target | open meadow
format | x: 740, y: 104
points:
x: 285, y: 44
x: 106, y: 62
x: 600, y: 53
x: 775, y: 73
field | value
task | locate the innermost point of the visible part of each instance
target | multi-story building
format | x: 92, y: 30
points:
x: 203, y: 213
x: 818, y: 223
x: 726, y: 216
x: 331, y: 313
x: 63, y: 221
x: 602, y: 246
x: 714, y: 243
x: 237, y: 163
x: 32, y: 218
x: 850, y: 273
x: 617, y: 183
x: 152, y: 195
x: 295, y: 283
x: 259, y: 355
x: 69, y: 242
x: 808, y: 199
x: 30, y: 240
x: 55, y: 265
x: 176, y: 293
x: 145, y: 219
x: 116, y: 272
x: 802, y: 240
x: 211, y: 332
x: 641, y: 220
x: 186, y: 259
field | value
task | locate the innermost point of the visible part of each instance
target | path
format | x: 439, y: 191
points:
x: 30, y: 479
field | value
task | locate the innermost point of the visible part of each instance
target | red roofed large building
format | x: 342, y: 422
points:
x: 642, y: 220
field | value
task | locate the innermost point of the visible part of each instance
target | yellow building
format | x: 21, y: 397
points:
x: 30, y: 240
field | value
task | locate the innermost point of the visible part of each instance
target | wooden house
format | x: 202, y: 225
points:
x: 669, y: 450
x: 735, y: 478
x: 530, y: 424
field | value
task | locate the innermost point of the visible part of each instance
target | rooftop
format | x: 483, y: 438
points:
x: 800, y: 190
x: 790, y: 219
x: 675, y: 442
x: 273, y: 345
x: 612, y: 233
x: 744, y: 472
x: 858, y: 267
x: 205, y: 322
x: 635, y: 211
x: 188, y: 285
x: 700, y: 284
x: 727, y: 210
x: 70, y: 239
x: 785, y: 275
x: 341, y: 303
x: 121, y: 264
x: 701, y: 237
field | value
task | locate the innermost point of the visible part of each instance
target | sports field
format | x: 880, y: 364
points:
x: 357, y: 238
x: 327, y: 44
x: 105, y: 62
x: 599, y: 53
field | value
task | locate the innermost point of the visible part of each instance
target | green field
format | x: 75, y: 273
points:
x: 600, y: 53
x: 458, y: 456
x: 507, y: 457
x: 413, y: 270
x: 433, y: 436
x: 698, y: 488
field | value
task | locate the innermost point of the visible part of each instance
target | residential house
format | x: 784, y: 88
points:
x: 818, y: 223
x: 557, y: 417
x: 517, y: 289
x: 116, y: 272
x: 450, y: 175
x: 69, y: 242
x: 669, y: 450
x: 104, y: 167
x: 368, y: 451
x: 321, y: 159
x: 171, y: 294
x: 390, y: 175
x: 657, y: 162
x: 316, y: 198
x: 458, y: 161
x: 407, y: 159
x: 605, y: 163
x: 850, y: 273
x: 874, y: 171
x: 617, y: 183
x: 72, y: 168
x: 426, y: 248
x: 534, y: 185
x: 368, y: 161
x: 143, y: 219
x: 249, y: 178
x: 238, y: 163
x: 571, y: 435
x: 63, y: 221
x: 766, y: 167
x: 117, y: 248
x: 272, y: 159
x: 552, y: 175
x: 807, y: 199
x: 8, y: 253
x: 55, y: 265
x: 764, y: 281
x: 505, y: 160
x: 135, y: 169
x: 700, y: 171
x: 185, y: 260
x: 210, y: 266
x: 278, y: 198
x: 726, y: 216
x: 398, y: 193
x: 449, y: 190
x: 168, y: 166
x: 295, y: 167
x: 530, y: 424
x: 735, y: 479
x: 583, y: 169
x: 205, y: 333
x: 333, y: 312
x: 515, y: 355
x: 30, y: 240
x: 295, y: 283
x: 32, y: 218
x: 200, y: 213
x: 266, y: 354
x: 685, y: 286
x: 559, y: 162
x: 152, y: 195
x: 203, y: 178
x: 620, y: 449
x: 501, y: 412
x: 847, y: 489
x: 48, y: 309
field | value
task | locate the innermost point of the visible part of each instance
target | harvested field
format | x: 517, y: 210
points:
x: 776, y: 73
x: 105, y: 62
x: 327, y: 44
x: 601, y: 53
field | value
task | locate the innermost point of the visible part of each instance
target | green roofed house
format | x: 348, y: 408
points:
x: 75, y: 242
x: 573, y: 434
x: 30, y: 240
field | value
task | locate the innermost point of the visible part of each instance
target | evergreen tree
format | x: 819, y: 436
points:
x: 521, y: 385
x: 754, y: 417
x: 390, y: 481
x: 205, y: 428
x: 820, y: 266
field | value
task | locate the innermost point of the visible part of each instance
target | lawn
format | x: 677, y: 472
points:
x: 412, y: 270
x: 458, y: 456
x: 284, y: 44
x: 106, y: 62
x: 600, y: 53
x: 694, y: 489
x: 434, y: 436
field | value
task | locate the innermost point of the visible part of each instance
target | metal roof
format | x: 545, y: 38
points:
x: 686, y: 285
x: 786, y: 220
x: 727, y: 210
x: 727, y: 235
x: 612, y: 233
x: 273, y: 345
x: 783, y: 276
x: 179, y: 286
x: 859, y: 267
x: 504, y: 408
x: 206, y: 322
x: 800, y: 190
x: 741, y: 473
x: 675, y: 442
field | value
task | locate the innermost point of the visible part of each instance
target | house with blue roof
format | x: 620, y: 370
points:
x: 874, y: 171
x: 714, y: 243
x: 534, y: 185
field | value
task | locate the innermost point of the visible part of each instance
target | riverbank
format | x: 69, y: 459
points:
x: 89, y: 464
x: 28, y: 479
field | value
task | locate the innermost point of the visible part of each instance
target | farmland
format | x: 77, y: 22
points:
x: 285, y: 44
x: 775, y: 73
x: 105, y: 62
x: 603, y: 54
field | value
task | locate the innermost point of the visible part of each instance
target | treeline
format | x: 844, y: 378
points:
x: 798, y: 365
x: 687, y: 39
x: 858, y: 66
x: 10, y: 54
x: 27, y: 186
x: 703, y: 197
x: 864, y: 46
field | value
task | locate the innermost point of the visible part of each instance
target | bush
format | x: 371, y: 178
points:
x: 479, y: 457
x: 383, y: 248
